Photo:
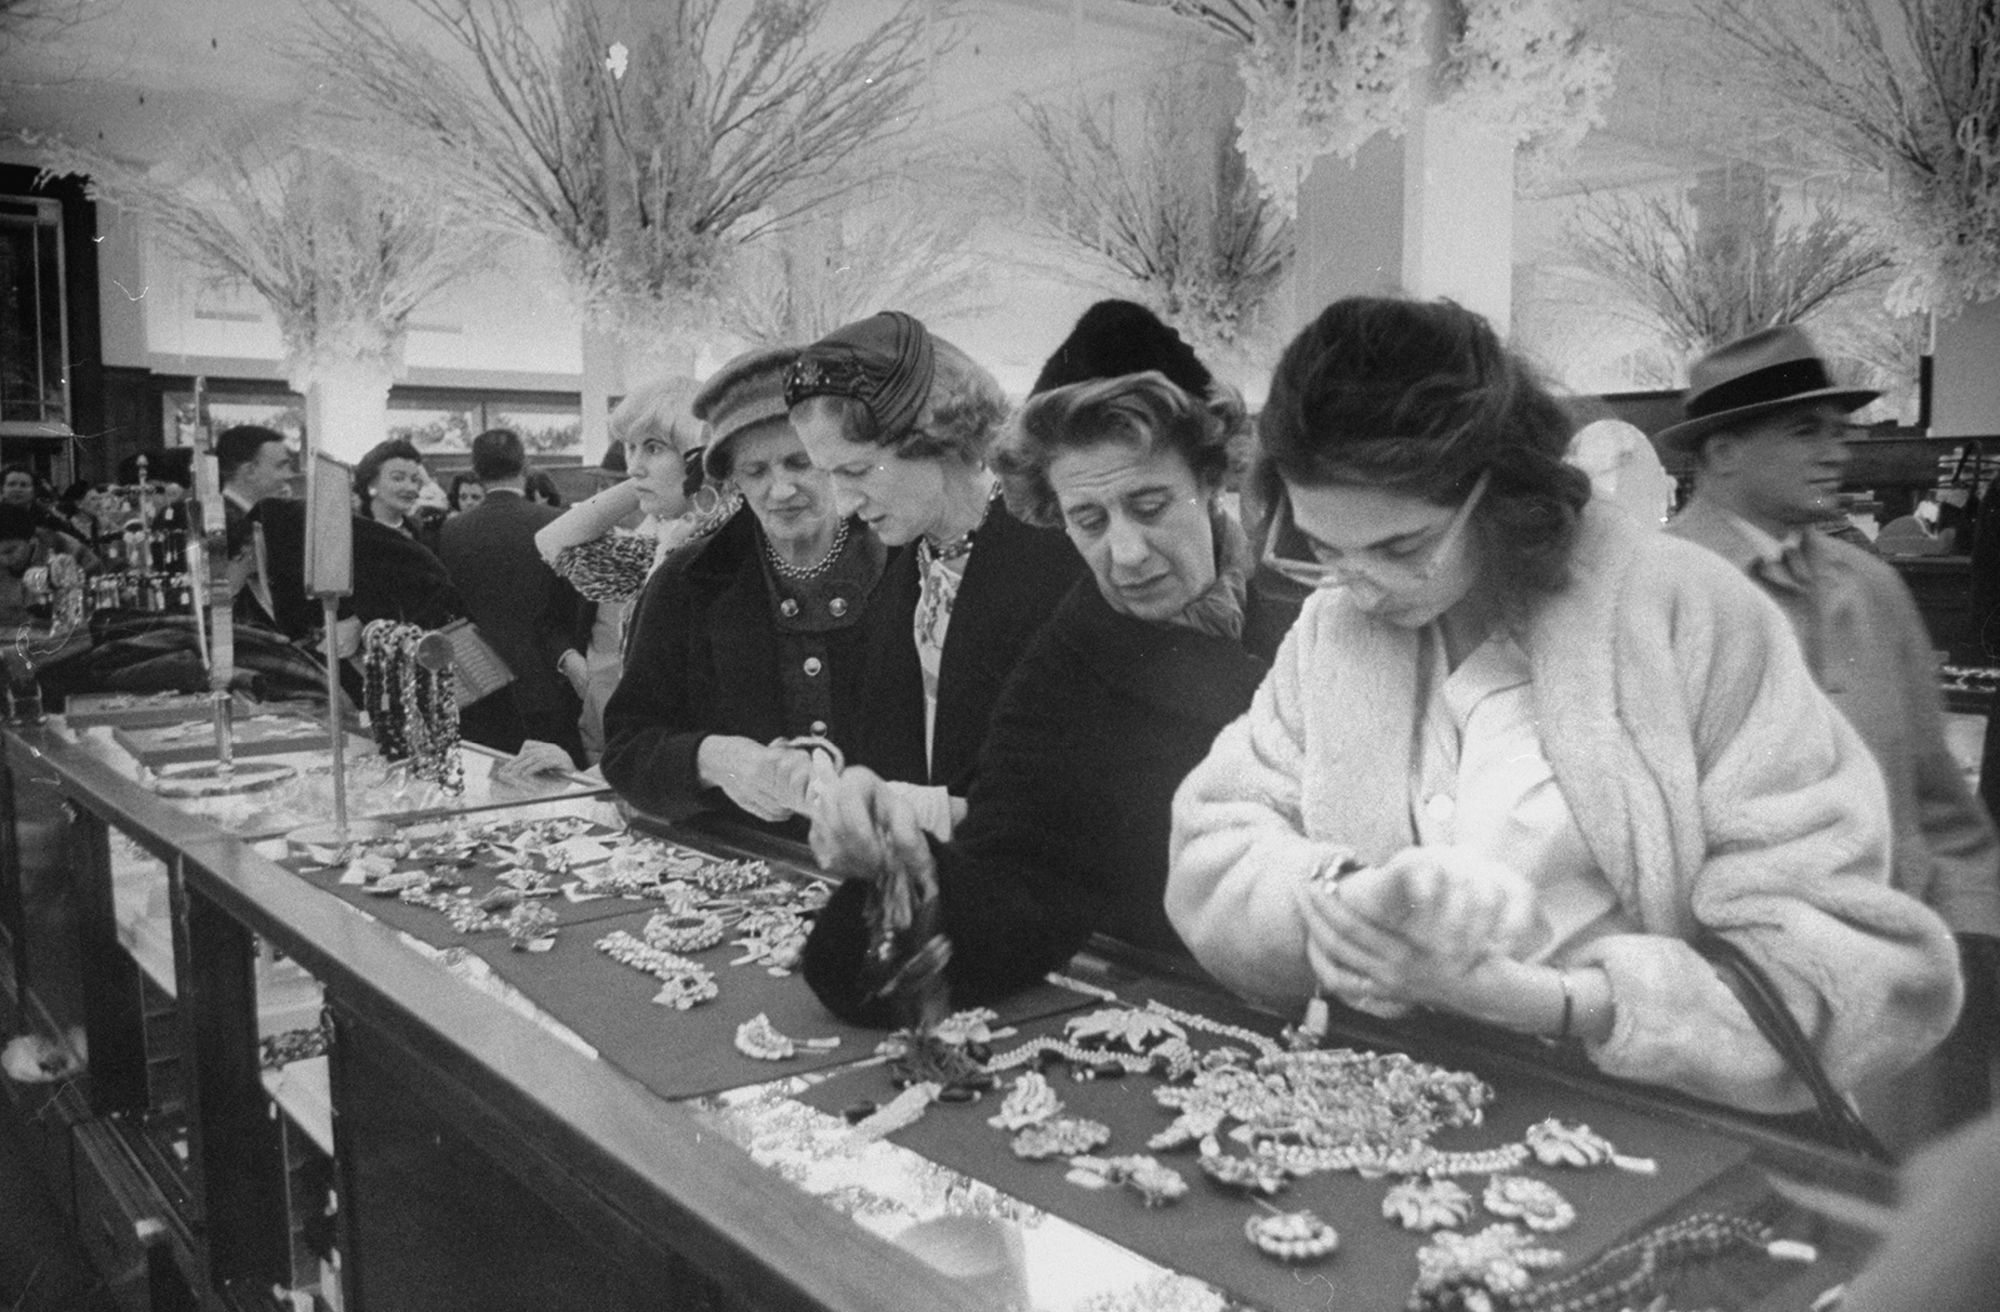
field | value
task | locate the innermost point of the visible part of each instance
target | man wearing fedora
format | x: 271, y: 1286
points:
x: 1766, y: 428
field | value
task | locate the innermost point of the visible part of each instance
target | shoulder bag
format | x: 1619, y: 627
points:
x: 1838, y: 1122
x: 481, y: 671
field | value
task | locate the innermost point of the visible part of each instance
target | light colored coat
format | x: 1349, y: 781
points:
x: 1867, y: 645
x: 1713, y: 782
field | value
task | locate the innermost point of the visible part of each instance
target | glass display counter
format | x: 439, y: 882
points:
x: 341, y: 1080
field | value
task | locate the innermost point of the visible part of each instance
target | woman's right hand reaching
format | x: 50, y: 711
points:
x: 863, y: 826
x: 1418, y: 929
x: 768, y: 782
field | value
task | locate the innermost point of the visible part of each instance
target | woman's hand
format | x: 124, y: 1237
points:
x: 864, y: 826
x: 1416, y: 930
x: 1459, y: 904
x: 574, y: 666
x: 768, y: 782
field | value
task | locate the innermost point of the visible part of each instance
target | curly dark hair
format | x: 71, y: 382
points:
x: 1145, y: 410
x: 369, y: 467
x: 1421, y: 397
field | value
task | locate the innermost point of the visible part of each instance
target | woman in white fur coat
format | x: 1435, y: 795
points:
x: 1518, y: 749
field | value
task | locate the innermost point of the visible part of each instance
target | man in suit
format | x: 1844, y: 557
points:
x: 518, y: 603
x: 253, y: 463
x: 1767, y: 430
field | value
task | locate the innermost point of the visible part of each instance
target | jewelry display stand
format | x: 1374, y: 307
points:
x: 329, y: 570
x: 215, y: 635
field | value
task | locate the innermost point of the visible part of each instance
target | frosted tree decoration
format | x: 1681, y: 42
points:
x: 1702, y: 281
x: 1907, y: 91
x: 340, y: 254
x: 1321, y: 77
x: 1324, y: 77
x: 1529, y: 68
x: 802, y: 281
x: 642, y: 153
x: 1165, y: 208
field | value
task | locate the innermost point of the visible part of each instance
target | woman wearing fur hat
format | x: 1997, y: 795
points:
x: 901, y: 422
x: 756, y: 638
x: 1519, y: 751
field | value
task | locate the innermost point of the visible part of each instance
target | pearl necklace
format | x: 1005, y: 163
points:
x: 788, y: 570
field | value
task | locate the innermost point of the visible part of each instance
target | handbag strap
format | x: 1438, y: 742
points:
x: 1774, y: 1020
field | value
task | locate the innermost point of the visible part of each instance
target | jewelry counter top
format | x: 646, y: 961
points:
x: 645, y: 1175
x: 299, y: 790
x: 589, y: 1074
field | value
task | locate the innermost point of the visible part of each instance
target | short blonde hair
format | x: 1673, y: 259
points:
x: 960, y: 419
x: 664, y: 408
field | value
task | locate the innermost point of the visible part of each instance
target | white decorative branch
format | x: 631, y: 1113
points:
x: 642, y: 156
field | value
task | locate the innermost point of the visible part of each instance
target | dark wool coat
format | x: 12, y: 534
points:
x: 703, y: 659
x: 1066, y: 833
x: 1014, y: 579
x: 518, y: 602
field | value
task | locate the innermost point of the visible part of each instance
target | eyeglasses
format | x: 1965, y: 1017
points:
x: 1423, y: 566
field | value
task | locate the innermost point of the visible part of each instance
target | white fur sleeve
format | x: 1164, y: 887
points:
x: 1239, y: 858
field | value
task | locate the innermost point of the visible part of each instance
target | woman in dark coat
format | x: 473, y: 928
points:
x: 389, y: 479
x: 902, y: 421
x: 1114, y: 702
x: 756, y: 639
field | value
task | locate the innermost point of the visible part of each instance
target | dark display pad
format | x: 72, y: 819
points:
x: 1202, y: 1234
x: 480, y: 878
x: 685, y: 1054
x: 676, y: 1054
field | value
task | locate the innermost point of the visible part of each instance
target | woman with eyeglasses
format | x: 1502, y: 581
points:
x: 900, y: 421
x: 748, y: 650
x: 1112, y: 704
x: 1520, y: 751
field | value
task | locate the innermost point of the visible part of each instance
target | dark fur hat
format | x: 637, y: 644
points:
x: 1115, y: 338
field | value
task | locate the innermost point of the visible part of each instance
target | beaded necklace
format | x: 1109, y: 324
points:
x: 413, y: 709
x: 788, y: 570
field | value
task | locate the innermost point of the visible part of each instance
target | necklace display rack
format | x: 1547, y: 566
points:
x: 215, y: 639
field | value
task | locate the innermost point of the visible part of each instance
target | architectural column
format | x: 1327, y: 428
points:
x: 1965, y: 373
x: 347, y: 407
x: 603, y: 382
x: 1428, y: 214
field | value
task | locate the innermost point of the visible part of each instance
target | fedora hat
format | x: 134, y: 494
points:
x: 1772, y: 369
